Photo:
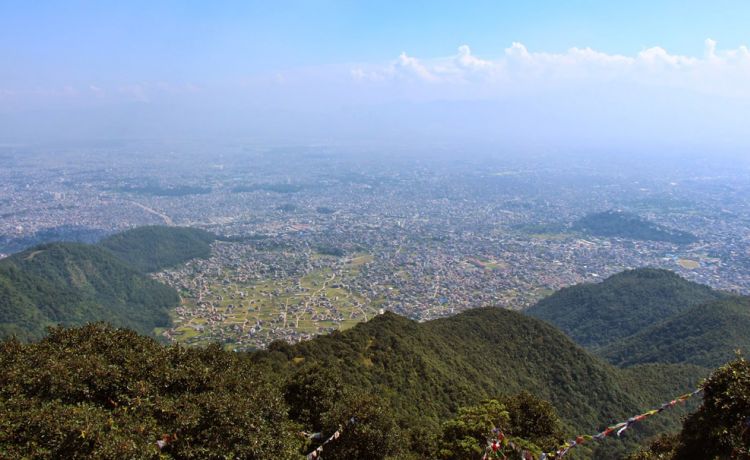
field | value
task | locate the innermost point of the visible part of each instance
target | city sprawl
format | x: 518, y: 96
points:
x: 315, y: 239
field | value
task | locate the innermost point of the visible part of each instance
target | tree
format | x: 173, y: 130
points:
x: 720, y: 428
x: 101, y: 392
x: 533, y: 419
x: 466, y: 435
x: 312, y: 392
x: 369, y: 429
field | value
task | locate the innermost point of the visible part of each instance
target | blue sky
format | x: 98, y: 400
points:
x: 68, y: 63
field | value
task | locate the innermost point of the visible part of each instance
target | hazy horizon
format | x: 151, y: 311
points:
x: 637, y: 77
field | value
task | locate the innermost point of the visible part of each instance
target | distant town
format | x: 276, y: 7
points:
x: 316, y: 239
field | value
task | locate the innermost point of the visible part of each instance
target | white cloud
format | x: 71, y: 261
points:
x: 716, y: 71
x: 411, y: 66
x: 466, y: 60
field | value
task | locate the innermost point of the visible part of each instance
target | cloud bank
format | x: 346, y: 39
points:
x: 725, y: 72
x: 579, y: 97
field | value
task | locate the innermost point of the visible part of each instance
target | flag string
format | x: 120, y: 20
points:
x: 498, y: 446
x: 315, y: 454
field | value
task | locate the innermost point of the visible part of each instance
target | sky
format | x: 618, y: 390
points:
x: 573, y: 74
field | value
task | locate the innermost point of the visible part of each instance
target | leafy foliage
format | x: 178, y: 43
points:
x: 597, y: 315
x: 625, y: 225
x: 533, y: 419
x: 719, y: 429
x: 373, y: 433
x: 526, y: 421
x: 152, y: 248
x: 465, y: 436
x: 705, y: 335
x: 72, y: 283
x: 427, y: 371
x: 102, y: 392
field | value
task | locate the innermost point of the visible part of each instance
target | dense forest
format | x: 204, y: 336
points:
x: 101, y: 392
x: 73, y: 283
x: 596, y: 315
x: 705, y: 335
x: 426, y: 371
x: 153, y: 248
x: 625, y: 225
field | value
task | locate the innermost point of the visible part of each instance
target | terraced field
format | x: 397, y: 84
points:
x: 245, y: 313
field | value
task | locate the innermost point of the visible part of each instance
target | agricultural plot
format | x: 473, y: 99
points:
x: 235, y: 306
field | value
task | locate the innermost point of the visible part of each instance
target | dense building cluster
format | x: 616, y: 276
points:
x: 316, y: 239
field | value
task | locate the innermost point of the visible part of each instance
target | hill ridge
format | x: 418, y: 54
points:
x: 72, y: 283
x: 598, y: 314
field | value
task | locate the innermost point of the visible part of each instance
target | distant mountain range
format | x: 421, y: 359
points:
x: 74, y: 283
x: 706, y: 335
x: 428, y: 370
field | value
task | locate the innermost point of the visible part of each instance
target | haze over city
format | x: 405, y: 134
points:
x: 643, y: 75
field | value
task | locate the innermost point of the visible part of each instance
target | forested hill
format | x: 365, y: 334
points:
x: 626, y: 225
x: 428, y: 370
x: 404, y: 382
x: 153, y: 248
x: 71, y: 284
x: 600, y: 314
x: 705, y: 335
x: 100, y: 392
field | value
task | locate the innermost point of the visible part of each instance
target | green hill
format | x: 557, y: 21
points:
x: 71, y: 284
x: 428, y: 370
x: 626, y: 225
x: 597, y: 315
x: 153, y: 248
x: 705, y: 335
x: 96, y: 391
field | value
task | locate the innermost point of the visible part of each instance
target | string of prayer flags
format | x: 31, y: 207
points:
x: 501, y: 447
x: 315, y: 454
x: 617, y: 428
x: 498, y: 448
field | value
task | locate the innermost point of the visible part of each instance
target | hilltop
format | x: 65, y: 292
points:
x: 428, y: 370
x: 404, y: 381
x: 706, y: 335
x: 74, y: 283
x: 153, y: 248
x: 596, y: 315
x: 625, y: 225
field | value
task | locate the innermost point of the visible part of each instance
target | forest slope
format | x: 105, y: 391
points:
x: 599, y: 314
x: 71, y: 284
x: 428, y: 370
x: 706, y: 335
x: 153, y: 248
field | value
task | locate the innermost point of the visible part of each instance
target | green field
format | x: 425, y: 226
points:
x: 252, y: 314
